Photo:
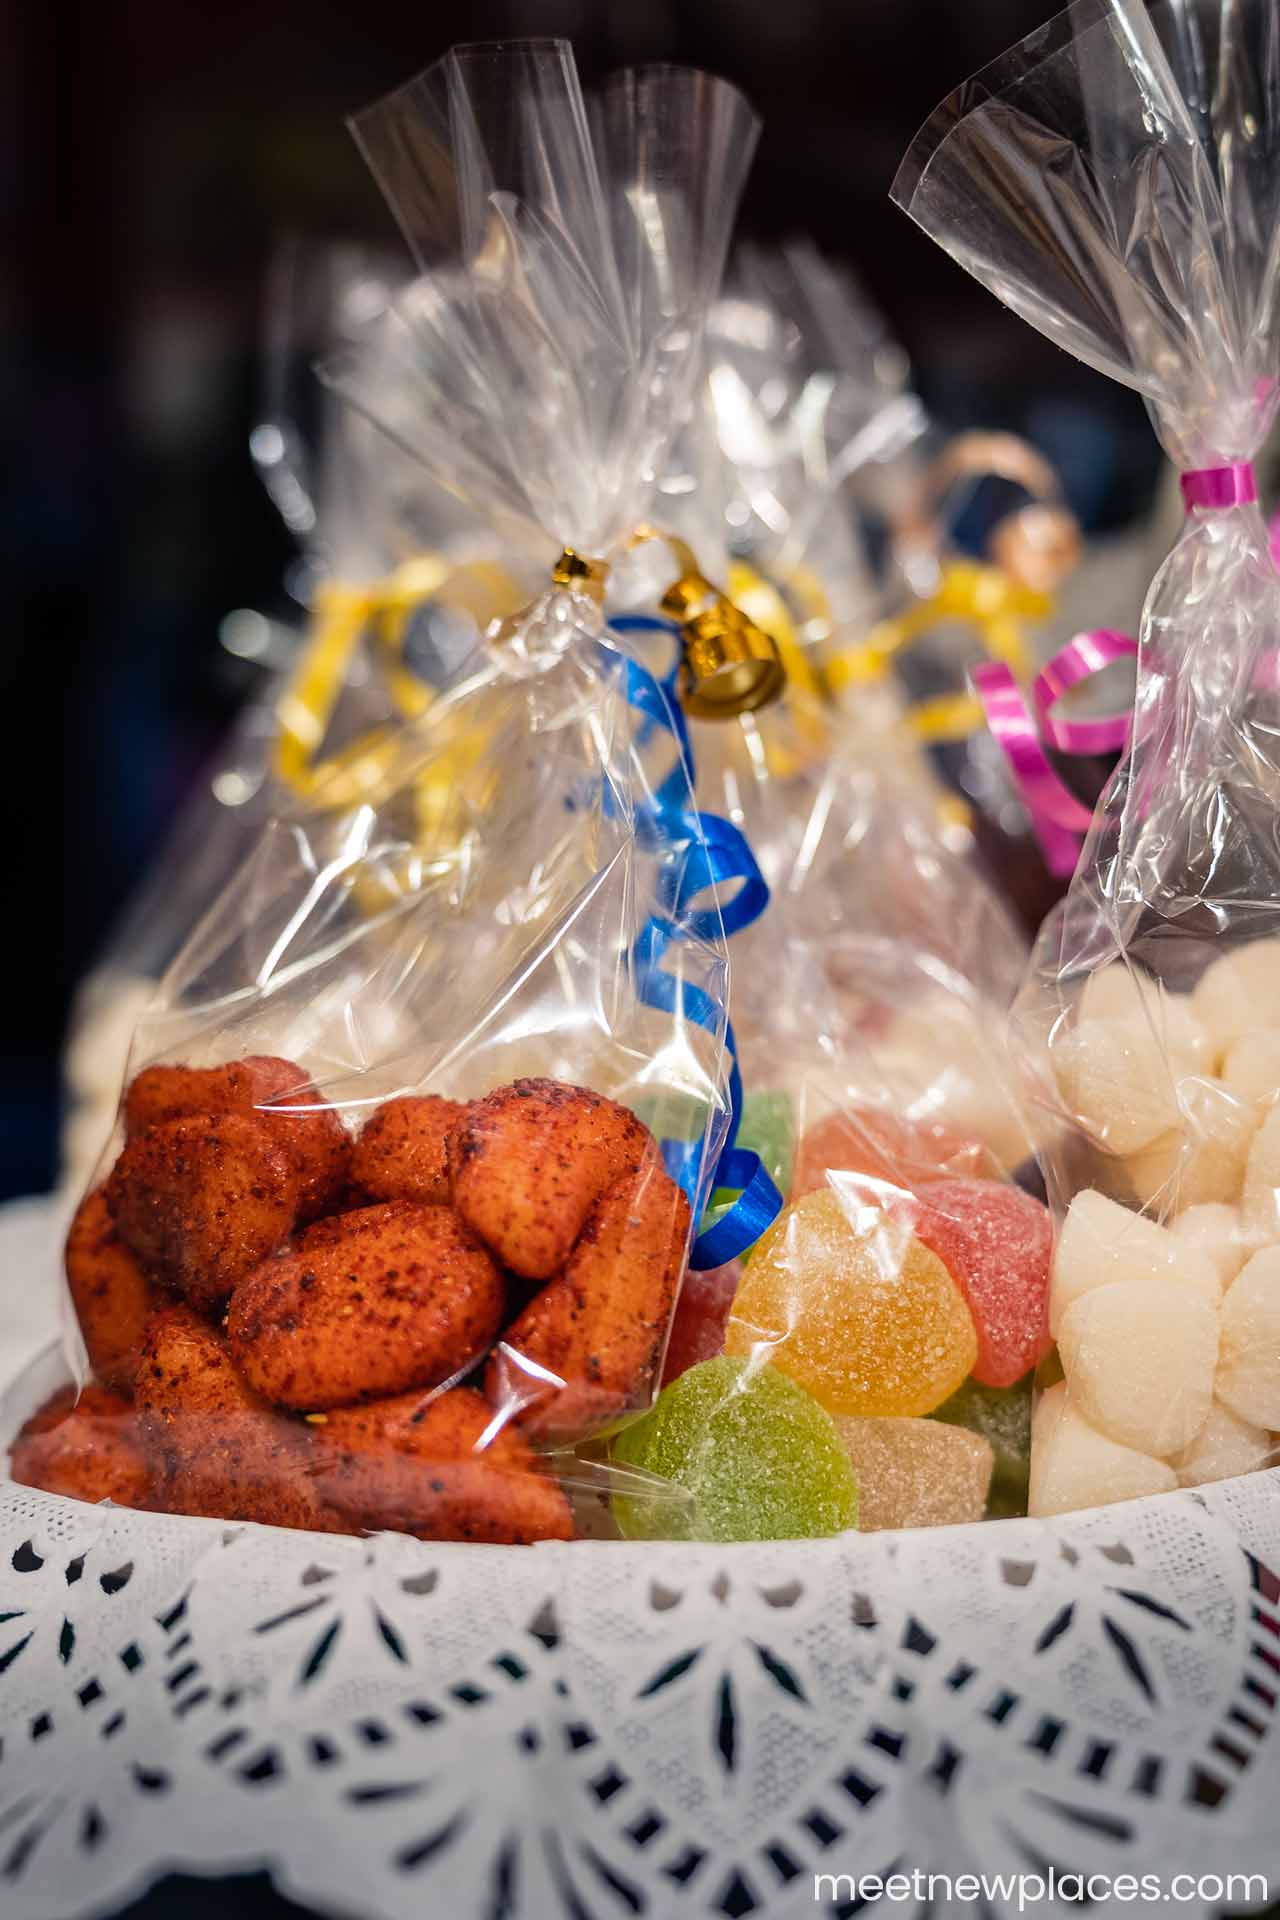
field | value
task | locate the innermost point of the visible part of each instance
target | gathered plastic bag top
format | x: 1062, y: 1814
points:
x: 418, y: 1136
x: 1116, y: 180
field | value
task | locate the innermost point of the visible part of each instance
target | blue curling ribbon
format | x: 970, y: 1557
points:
x: 712, y: 852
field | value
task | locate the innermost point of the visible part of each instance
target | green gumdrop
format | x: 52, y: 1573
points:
x: 761, y: 1458
x: 670, y: 1115
x: 1002, y: 1415
x: 769, y: 1129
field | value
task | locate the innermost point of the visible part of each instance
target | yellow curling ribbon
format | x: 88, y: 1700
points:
x: 343, y: 614
x: 985, y: 598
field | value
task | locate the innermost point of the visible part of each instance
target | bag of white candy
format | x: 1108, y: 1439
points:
x: 1115, y: 180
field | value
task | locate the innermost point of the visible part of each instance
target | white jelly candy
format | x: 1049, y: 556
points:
x: 1249, y: 1363
x: 1239, y: 991
x: 1075, y: 1466
x: 1251, y: 1069
x: 1139, y: 1357
x: 1201, y: 1161
x: 1260, y: 1202
x: 1218, y: 1233
x: 1102, y: 1243
x: 1224, y: 1447
x: 1117, y: 1082
x: 1118, y: 992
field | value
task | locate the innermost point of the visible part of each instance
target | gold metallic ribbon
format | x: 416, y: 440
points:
x: 730, y: 665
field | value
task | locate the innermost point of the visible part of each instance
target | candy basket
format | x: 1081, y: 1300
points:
x: 384, y: 1724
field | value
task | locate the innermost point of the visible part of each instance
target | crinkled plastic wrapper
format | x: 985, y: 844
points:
x: 393, y: 615
x: 414, y: 1144
x: 869, y: 1360
x: 1115, y: 180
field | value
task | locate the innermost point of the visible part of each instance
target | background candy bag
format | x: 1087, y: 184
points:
x: 1148, y: 249
x: 907, y: 1275
x: 392, y: 614
x: 512, y: 899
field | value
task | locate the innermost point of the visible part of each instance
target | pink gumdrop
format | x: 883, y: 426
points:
x: 702, y: 1314
x: 996, y: 1243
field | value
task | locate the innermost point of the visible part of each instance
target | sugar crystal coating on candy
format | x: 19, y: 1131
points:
x: 1238, y: 991
x: 758, y: 1455
x: 1073, y: 1466
x: 768, y: 1128
x: 995, y: 1242
x: 1224, y: 1447
x: 875, y: 1155
x: 1249, y: 1363
x: 1002, y: 1415
x: 1251, y: 1068
x: 1121, y: 992
x: 1139, y: 1356
x: 1102, y: 1242
x: 1260, y: 1200
x: 1202, y: 1162
x: 916, y: 1473
x: 1218, y: 1233
x: 846, y: 1301
x: 1117, y: 1082
x: 701, y: 1316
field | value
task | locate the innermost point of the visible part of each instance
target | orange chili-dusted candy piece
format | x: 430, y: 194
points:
x: 111, y: 1294
x: 588, y: 1346
x: 375, y: 1302
x: 400, y: 1152
x: 437, y: 1466
x: 311, y: 1131
x: 201, y: 1200
x: 871, y: 1153
x: 214, y: 1446
x: 85, y: 1448
x: 528, y: 1163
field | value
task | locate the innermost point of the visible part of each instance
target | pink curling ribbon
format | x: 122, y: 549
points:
x: 1058, y: 820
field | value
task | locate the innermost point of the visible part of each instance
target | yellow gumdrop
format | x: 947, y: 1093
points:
x: 850, y: 1304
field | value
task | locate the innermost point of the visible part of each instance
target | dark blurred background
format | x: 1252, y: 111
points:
x: 152, y: 155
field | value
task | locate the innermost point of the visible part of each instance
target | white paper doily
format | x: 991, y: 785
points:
x: 597, y: 1730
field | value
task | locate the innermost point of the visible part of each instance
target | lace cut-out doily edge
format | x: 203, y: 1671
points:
x: 609, y: 1630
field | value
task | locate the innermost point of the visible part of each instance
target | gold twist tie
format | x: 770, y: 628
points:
x: 578, y: 573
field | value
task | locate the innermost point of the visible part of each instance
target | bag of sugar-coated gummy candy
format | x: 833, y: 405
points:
x: 869, y: 1360
x: 417, y: 1142
x: 1116, y: 181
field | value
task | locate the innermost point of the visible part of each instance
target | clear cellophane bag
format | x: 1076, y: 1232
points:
x: 399, y: 580
x: 416, y: 1138
x: 1115, y: 180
